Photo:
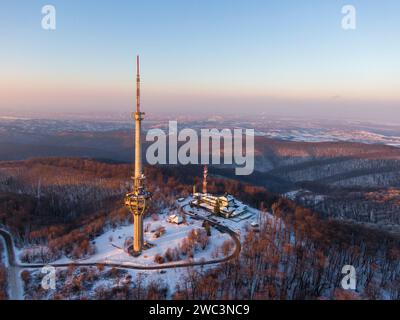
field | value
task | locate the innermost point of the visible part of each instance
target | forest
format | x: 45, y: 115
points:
x: 63, y: 203
x: 301, y: 257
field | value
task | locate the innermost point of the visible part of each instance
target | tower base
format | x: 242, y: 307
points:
x: 129, y: 248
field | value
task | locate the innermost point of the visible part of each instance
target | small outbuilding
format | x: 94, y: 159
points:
x: 174, y: 218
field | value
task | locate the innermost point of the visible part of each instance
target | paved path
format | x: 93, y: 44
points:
x: 15, y: 288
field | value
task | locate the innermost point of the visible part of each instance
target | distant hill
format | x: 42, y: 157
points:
x: 342, y: 173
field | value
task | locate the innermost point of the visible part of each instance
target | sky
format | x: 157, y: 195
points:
x: 281, y: 57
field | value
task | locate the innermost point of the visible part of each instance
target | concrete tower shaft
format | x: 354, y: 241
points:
x: 137, y: 201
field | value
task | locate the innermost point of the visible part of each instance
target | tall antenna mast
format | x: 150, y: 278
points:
x: 137, y: 84
x: 138, y: 128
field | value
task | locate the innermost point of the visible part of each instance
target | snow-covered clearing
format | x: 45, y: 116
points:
x: 109, y: 246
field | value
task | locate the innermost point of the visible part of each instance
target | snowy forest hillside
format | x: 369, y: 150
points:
x: 65, y: 203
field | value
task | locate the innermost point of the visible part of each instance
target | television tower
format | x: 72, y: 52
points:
x: 137, y: 200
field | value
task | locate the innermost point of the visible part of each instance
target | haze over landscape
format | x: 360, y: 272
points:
x: 278, y: 58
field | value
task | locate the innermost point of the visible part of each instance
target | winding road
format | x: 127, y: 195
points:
x: 14, y: 268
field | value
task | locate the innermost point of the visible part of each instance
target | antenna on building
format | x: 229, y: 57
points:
x: 205, y: 175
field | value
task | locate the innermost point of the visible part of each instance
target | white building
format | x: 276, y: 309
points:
x: 226, y: 206
x: 174, y: 218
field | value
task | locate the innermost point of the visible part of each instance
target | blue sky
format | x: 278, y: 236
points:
x: 283, y: 57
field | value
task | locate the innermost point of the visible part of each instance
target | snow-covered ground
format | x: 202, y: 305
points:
x: 109, y: 246
x: 109, y: 249
x: 305, y: 195
x: 325, y: 135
